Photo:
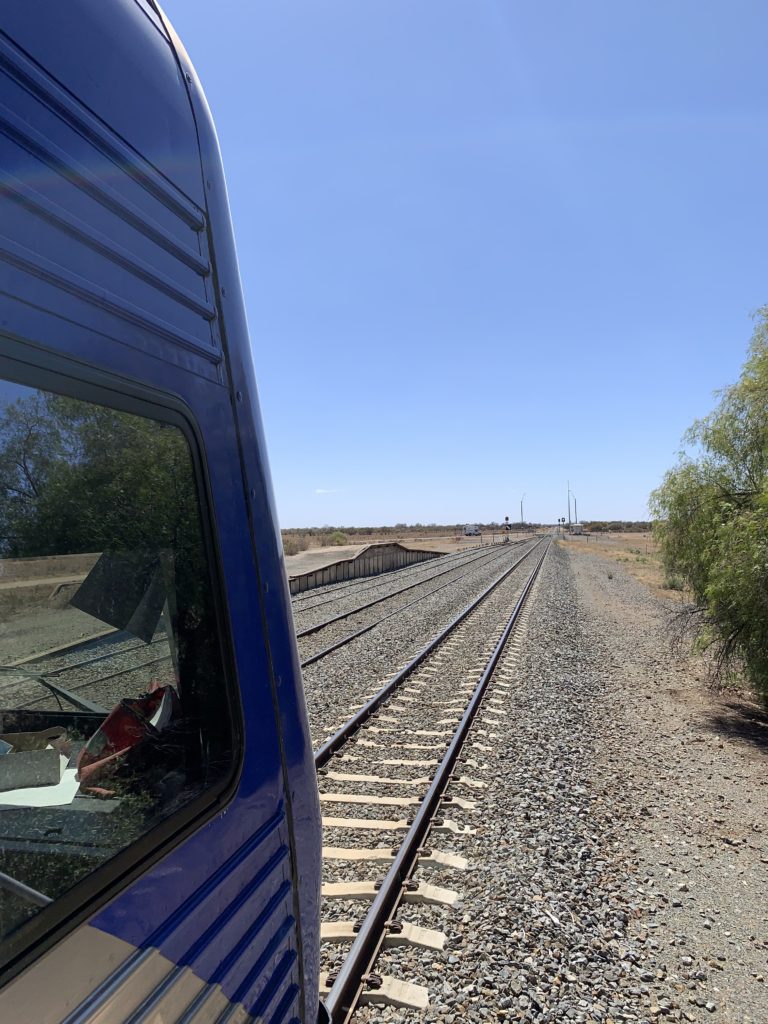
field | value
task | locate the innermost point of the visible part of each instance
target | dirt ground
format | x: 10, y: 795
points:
x: 45, y: 568
x: 636, y: 553
x: 34, y: 589
x: 691, y: 765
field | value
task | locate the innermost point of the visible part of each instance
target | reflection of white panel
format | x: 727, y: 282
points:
x: 59, y: 795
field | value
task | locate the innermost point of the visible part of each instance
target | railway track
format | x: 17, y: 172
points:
x: 328, y: 592
x: 390, y: 774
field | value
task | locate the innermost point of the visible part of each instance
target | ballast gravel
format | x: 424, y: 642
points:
x: 619, y: 871
x: 402, y: 608
x: 339, y: 682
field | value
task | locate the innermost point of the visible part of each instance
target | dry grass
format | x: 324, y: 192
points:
x: 637, y: 553
x: 45, y: 566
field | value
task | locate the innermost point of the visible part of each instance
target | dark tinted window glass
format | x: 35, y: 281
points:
x: 113, y: 710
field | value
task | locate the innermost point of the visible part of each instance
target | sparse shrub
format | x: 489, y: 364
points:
x: 292, y: 544
x: 712, y: 518
x: 338, y: 538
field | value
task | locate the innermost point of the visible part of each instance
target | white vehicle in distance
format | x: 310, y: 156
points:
x: 471, y: 530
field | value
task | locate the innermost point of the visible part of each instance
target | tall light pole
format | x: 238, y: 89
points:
x: 569, y: 505
x: 575, y: 510
x: 521, y: 511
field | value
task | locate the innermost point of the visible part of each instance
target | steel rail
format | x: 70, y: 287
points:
x: 342, y: 735
x: 350, y: 980
x: 366, y: 629
x: 395, y: 593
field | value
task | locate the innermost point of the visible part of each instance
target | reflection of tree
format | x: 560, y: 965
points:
x: 30, y: 447
x: 76, y: 477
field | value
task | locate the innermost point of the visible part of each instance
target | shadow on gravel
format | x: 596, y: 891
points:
x: 741, y: 720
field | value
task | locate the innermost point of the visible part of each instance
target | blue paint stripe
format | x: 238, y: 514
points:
x: 229, y: 964
x: 101, y: 243
x: 261, y: 967
x: 201, y: 944
x: 34, y: 263
x: 77, y: 174
x: 117, y: 924
x: 270, y: 990
x: 57, y: 99
x: 197, y: 1005
x: 83, y: 1013
x: 286, y: 1003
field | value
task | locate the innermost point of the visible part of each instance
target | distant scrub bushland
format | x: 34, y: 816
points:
x: 298, y: 539
x: 617, y: 526
x: 711, y: 516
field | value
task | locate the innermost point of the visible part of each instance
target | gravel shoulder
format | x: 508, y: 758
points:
x: 692, y: 768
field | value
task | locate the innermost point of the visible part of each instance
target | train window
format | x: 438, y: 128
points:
x: 113, y: 709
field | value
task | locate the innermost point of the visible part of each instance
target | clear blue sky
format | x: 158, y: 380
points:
x: 488, y: 246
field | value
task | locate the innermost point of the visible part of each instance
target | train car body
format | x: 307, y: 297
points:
x: 169, y: 870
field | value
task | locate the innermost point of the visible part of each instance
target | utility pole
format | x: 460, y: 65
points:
x: 521, y: 512
x: 569, y: 506
x: 575, y: 510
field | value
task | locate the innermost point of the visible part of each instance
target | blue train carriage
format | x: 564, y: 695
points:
x: 159, y: 822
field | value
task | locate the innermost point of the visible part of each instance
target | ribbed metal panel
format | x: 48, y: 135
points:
x: 100, y: 236
x: 227, y: 954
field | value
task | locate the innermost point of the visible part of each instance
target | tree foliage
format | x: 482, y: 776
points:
x: 711, y: 515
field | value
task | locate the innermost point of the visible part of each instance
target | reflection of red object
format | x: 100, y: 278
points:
x: 130, y: 722
x: 99, y: 791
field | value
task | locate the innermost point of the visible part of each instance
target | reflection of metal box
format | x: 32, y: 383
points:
x: 31, y: 762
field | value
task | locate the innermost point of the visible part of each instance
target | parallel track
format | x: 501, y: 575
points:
x: 325, y: 651
x: 333, y: 592
x: 476, y: 559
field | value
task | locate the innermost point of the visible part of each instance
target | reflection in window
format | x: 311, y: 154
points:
x: 113, y: 711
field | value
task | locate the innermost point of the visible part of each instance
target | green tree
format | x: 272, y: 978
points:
x: 711, y: 515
